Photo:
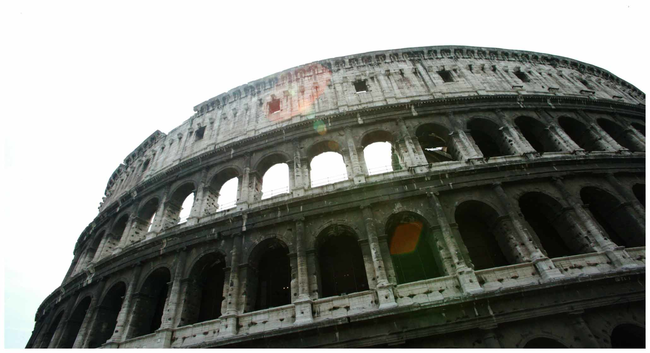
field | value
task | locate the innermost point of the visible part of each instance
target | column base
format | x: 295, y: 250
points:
x: 111, y: 344
x: 385, y: 296
x: 192, y: 221
x: 620, y: 259
x: 547, y: 269
x: 468, y: 281
x: 228, y: 325
x: 359, y: 179
x: 163, y: 338
x: 304, y: 313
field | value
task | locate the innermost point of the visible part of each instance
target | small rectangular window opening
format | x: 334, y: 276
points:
x: 199, y: 133
x: 522, y: 76
x: 360, y: 86
x: 274, y: 106
x: 446, y: 76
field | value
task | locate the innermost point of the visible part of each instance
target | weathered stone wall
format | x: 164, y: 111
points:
x: 512, y: 142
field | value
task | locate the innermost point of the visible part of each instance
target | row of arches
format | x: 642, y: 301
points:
x: 341, y: 264
x: 622, y: 336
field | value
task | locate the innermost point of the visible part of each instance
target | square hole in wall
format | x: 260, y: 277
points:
x: 522, y: 76
x: 199, y: 133
x: 360, y: 86
x: 446, y: 76
x: 274, y: 106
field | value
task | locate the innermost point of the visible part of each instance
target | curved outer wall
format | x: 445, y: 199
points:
x: 477, y: 134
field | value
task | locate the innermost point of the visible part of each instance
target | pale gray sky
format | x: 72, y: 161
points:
x: 84, y: 83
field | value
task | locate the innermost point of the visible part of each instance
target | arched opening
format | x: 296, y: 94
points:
x: 47, y: 338
x: 412, y: 248
x: 628, y: 336
x: 113, y: 238
x: 146, y: 216
x: 180, y: 205
x: 639, y: 127
x: 621, y: 226
x: 106, y: 316
x: 150, y: 304
x: 223, y: 191
x: 94, y: 246
x: 379, y: 153
x: 326, y: 165
x: 476, y: 224
x: 74, y: 323
x: 204, y: 293
x: 488, y: 138
x: 580, y: 134
x: 269, y: 276
x: 543, y: 342
x: 618, y: 134
x: 546, y: 216
x: 274, y: 172
x: 435, y: 142
x: 639, y: 193
x: 536, y: 134
x: 342, y: 270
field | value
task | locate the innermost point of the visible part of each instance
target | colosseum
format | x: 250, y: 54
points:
x: 511, y: 213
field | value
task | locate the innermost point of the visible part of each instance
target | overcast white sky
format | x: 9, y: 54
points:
x: 83, y: 83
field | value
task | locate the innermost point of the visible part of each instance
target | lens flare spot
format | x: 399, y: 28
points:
x: 333, y: 145
x: 320, y: 127
x: 405, y: 238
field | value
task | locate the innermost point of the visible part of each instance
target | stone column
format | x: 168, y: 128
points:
x: 199, y: 201
x: 425, y: 76
x: 362, y: 161
x: 629, y: 196
x: 387, y: 89
x: 582, y: 330
x: 67, y: 312
x: 519, y: 143
x: 461, y: 142
x: 559, y: 136
x: 464, y: 273
x: 86, y: 326
x: 171, y: 310
x: 357, y: 169
x: 303, y: 302
x: 229, y: 319
x: 296, y: 170
x: 158, y: 220
x: 385, y: 253
x: 245, y: 186
x: 613, y: 252
x: 542, y: 263
x: 413, y: 158
x: 314, y: 279
x: 348, y: 164
x: 126, y: 310
x: 126, y: 234
x: 490, y: 339
x: 384, y: 288
x: 601, y: 137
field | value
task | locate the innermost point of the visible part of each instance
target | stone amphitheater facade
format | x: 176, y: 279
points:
x: 513, y: 216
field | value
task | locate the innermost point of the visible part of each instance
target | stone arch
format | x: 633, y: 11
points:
x: 146, y: 215
x: 340, y: 261
x: 639, y: 127
x: 628, y: 335
x: 268, y: 275
x: 112, y: 239
x: 553, y: 226
x: 580, y: 134
x: 477, y: 223
x: 639, y: 192
x: 175, y: 201
x: 47, y: 337
x: 106, y: 315
x: 436, y: 143
x: 619, y: 134
x: 412, y: 247
x: 488, y: 137
x: 217, y: 181
x: 150, y: 302
x: 205, y: 288
x: 339, y: 167
x: 314, y: 240
x: 74, y: 323
x: 537, y: 134
x: 620, y: 225
x: 374, y: 136
x: 544, y: 342
x: 265, y: 163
